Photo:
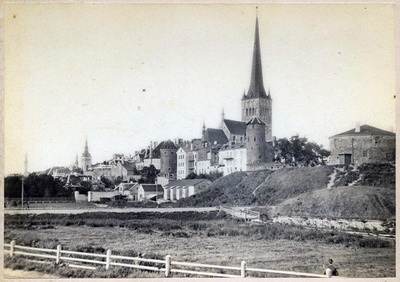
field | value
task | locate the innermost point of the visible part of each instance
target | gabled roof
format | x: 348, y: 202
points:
x: 235, y: 127
x: 211, y: 135
x: 185, y: 182
x: 127, y: 185
x: 255, y: 120
x: 129, y: 167
x: 365, y: 130
x: 152, y: 187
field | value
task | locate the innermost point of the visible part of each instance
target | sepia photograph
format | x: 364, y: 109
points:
x: 245, y: 141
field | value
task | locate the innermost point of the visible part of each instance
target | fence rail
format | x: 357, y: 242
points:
x: 42, y: 200
x: 245, y: 213
x: 167, y: 266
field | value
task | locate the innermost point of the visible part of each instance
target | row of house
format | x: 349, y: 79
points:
x: 172, y: 191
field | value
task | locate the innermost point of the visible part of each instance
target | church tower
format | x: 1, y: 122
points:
x: 256, y: 146
x: 86, y: 159
x: 257, y: 103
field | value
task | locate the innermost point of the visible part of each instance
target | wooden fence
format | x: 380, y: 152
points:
x: 168, y: 266
x: 43, y: 200
x: 239, y: 212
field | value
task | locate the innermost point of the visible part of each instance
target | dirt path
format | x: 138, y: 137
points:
x: 14, y: 274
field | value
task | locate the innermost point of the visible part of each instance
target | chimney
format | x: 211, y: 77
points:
x: 191, y: 146
x: 274, y: 141
x: 357, y: 127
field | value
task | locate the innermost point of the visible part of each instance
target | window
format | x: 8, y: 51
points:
x: 254, y: 139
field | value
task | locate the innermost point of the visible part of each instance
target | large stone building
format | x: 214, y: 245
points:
x: 168, y: 159
x: 363, y: 144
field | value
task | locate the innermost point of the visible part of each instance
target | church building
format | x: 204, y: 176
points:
x: 257, y: 103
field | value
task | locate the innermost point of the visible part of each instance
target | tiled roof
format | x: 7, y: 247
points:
x: 185, y: 182
x: 234, y: 146
x: 168, y: 145
x: 366, y: 130
x: 211, y: 135
x: 235, y: 127
x: 255, y: 120
x: 152, y: 187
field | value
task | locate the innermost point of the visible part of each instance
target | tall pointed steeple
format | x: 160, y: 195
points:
x: 257, y: 103
x: 86, y: 153
x: 256, y: 89
x: 86, y: 159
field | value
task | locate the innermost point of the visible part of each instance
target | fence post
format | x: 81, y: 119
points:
x: 108, y: 259
x: 243, y: 269
x: 58, y: 254
x: 12, y: 244
x: 167, y: 265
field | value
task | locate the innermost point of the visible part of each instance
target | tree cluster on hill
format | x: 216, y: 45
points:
x: 211, y: 176
x: 298, y: 151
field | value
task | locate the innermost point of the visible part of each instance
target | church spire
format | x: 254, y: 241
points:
x: 86, y: 153
x: 256, y: 89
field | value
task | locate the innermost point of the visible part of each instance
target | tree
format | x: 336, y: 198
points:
x: 107, y: 182
x: 211, y: 176
x: 297, y: 151
x: 149, y: 175
x: 13, y: 186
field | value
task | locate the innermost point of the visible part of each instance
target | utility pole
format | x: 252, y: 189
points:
x: 22, y: 193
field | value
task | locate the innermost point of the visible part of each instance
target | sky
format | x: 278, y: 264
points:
x: 122, y: 75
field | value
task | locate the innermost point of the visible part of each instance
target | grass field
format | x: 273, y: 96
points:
x: 203, y: 238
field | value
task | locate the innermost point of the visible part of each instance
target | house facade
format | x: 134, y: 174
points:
x: 185, y: 162
x: 150, y: 192
x: 179, y: 189
x: 233, y: 157
x: 363, y: 144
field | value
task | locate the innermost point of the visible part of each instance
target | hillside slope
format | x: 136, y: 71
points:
x: 343, y: 202
x: 261, y: 187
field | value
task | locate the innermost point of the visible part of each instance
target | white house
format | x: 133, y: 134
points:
x: 185, y: 161
x: 206, y: 160
x: 150, y: 192
x: 129, y: 189
x: 179, y: 189
x: 232, y: 157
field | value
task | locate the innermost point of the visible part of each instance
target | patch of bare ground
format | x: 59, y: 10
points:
x: 305, y: 256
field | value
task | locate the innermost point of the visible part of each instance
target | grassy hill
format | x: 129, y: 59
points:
x: 261, y: 187
x: 343, y: 202
x: 303, y: 191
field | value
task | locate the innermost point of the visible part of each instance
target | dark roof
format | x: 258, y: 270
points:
x: 152, y: 187
x: 366, y: 130
x: 235, y: 127
x: 255, y: 120
x: 185, y: 182
x: 168, y: 145
x: 129, y: 167
x: 231, y: 146
x: 211, y: 135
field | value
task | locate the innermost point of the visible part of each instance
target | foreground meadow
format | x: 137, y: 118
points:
x: 208, y: 237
